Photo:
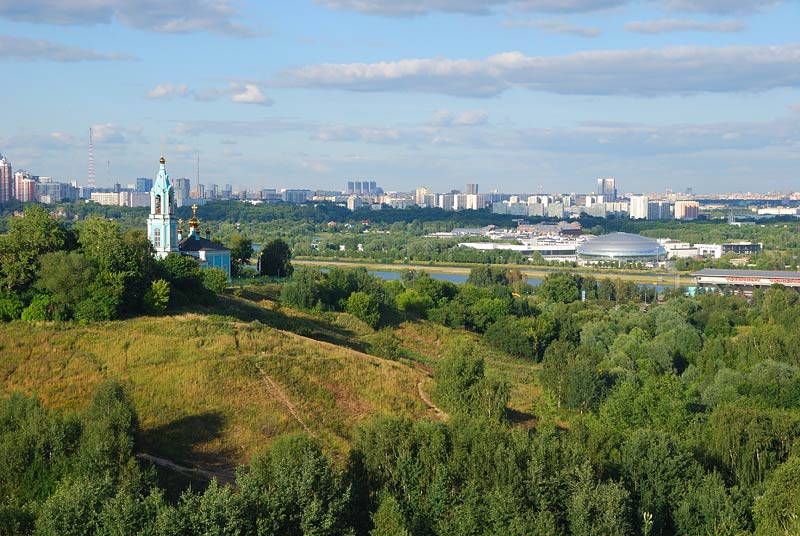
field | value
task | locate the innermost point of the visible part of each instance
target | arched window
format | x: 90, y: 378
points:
x: 171, y: 201
x: 156, y: 238
x: 158, y: 204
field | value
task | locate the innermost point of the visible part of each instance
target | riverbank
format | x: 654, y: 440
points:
x: 528, y: 271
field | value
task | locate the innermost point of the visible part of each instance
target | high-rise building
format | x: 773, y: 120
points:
x: 687, y: 210
x: 6, y: 180
x: 24, y: 186
x: 659, y: 210
x: 351, y: 187
x: 638, y: 210
x: 472, y: 189
x: 607, y: 188
x: 373, y: 186
x: 144, y: 185
x: 182, y: 188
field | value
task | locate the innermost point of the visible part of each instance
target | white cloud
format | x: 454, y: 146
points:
x: 168, y: 91
x: 444, y: 118
x: 672, y: 70
x: 169, y: 16
x: 684, y: 25
x: 250, y: 94
x: 108, y: 133
x: 411, y: 8
x: 555, y: 27
x: 24, y: 49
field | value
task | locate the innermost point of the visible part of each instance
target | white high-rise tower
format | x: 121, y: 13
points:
x: 162, y: 226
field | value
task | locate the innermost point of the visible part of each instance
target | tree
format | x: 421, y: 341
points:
x: 777, y: 511
x: 28, y: 237
x: 562, y: 288
x: 275, y: 259
x: 157, y: 298
x: 215, y: 280
x: 388, y: 519
x: 364, y: 307
x: 294, y: 490
x: 65, y: 276
x: 241, y: 252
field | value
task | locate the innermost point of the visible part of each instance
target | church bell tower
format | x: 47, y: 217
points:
x: 162, y: 225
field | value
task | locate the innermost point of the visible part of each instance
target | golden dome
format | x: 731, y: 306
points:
x: 162, y: 160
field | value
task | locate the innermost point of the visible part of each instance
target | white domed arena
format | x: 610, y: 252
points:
x: 623, y: 248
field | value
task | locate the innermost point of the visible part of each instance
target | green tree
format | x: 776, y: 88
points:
x: 777, y: 511
x: 157, y: 298
x: 241, y: 253
x: 388, y: 519
x: 276, y: 259
x: 28, y: 238
x: 294, y: 490
x: 364, y: 307
x: 65, y: 276
x: 215, y: 280
x: 563, y: 288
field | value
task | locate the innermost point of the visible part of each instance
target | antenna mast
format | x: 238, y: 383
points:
x: 90, y: 180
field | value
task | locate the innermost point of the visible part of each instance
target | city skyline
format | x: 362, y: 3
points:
x: 549, y: 96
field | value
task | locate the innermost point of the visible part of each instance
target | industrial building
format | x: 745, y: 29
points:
x: 744, y: 280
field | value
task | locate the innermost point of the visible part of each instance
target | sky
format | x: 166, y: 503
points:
x: 515, y: 95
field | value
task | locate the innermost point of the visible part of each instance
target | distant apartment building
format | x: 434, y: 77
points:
x: 144, y: 185
x: 296, y: 196
x: 638, y: 206
x: 687, y: 210
x: 49, y: 191
x: 6, y: 180
x: 472, y: 189
x: 659, y: 210
x: 24, y: 186
x: 607, y: 188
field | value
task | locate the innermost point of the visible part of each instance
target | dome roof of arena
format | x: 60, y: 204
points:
x: 621, y: 246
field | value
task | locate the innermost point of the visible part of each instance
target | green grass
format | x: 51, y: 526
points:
x: 195, y: 382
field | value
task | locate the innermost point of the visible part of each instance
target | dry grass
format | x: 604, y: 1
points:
x: 195, y: 384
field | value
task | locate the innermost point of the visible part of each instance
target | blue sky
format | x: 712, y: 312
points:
x: 516, y: 95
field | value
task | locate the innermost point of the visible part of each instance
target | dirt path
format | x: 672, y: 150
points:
x: 436, y: 409
x: 223, y: 477
x: 280, y: 394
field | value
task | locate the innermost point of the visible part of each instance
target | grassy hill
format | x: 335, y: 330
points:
x: 209, y: 390
x: 214, y: 386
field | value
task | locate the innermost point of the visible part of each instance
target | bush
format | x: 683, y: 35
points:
x: 215, y: 280
x: 157, y: 297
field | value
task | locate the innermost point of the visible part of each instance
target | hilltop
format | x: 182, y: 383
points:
x: 211, y: 390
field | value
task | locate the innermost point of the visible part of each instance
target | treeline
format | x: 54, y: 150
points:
x: 92, y: 272
x: 512, y: 315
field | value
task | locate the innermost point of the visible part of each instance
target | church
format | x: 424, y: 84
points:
x: 165, y: 231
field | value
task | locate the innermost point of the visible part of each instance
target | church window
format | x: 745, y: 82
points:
x: 158, y: 204
x: 171, y: 201
x: 156, y: 238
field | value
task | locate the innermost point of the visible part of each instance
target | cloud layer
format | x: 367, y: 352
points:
x: 684, y: 25
x: 645, y: 72
x: 169, y: 16
x: 410, y: 8
x: 24, y: 49
x: 239, y: 92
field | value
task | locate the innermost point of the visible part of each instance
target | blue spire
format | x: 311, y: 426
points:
x: 163, y: 178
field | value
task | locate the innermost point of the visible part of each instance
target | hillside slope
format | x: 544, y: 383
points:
x: 210, y: 391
